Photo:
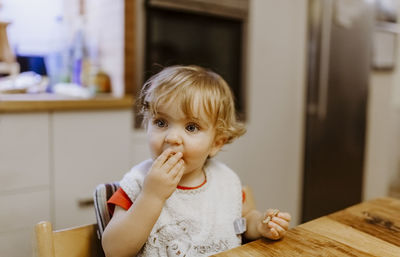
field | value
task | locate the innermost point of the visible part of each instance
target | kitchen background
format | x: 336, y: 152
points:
x: 74, y: 151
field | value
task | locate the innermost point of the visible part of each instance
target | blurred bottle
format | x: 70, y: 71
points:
x: 80, y: 61
x: 6, y: 53
x: 57, y: 61
x: 99, y: 81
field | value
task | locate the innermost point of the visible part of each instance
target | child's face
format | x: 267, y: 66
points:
x: 194, y: 137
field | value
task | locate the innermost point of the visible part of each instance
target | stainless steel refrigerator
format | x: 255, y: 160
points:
x: 338, y: 68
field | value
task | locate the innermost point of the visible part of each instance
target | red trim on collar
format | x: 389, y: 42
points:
x: 191, y: 188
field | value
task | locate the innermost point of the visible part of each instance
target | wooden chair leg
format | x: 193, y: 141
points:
x: 44, y: 239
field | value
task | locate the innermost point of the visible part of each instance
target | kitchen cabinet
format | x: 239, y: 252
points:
x: 24, y: 146
x: 51, y: 161
x: 89, y: 148
x: 25, y: 179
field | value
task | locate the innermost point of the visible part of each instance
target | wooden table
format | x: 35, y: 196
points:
x: 368, y: 229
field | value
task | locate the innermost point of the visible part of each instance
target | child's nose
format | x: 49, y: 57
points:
x: 173, y: 138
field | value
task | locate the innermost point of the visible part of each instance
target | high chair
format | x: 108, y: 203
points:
x: 101, y: 195
x: 84, y: 241
x: 79, y: 241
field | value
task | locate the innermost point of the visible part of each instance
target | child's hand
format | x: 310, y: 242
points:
x: 274, y: 224
x: 164, y: 175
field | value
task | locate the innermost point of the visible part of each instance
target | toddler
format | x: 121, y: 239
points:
x: 182, y: 202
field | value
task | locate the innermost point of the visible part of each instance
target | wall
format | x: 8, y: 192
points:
x: 382, y: 164
x: 382, y: 149
x: 32, y: 31
x: 269, y: 156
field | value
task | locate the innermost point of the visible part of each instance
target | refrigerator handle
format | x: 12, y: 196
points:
x: 324, y: 58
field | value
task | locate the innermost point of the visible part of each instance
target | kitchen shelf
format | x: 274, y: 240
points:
x: 11, y: 103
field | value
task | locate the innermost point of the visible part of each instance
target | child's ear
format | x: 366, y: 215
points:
x: 218, y: 144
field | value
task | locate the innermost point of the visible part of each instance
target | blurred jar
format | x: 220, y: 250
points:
x: 102, y: 82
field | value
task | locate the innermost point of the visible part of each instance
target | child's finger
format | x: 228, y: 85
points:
x: 274, y: 233
x: 281, y: 222
x: 284, y: 215
x: 277, y: 228
x: 179, y: 173
x: 162, y: 158
x: 176, y: 169
x: 269, y: 214
x: 172, y: 161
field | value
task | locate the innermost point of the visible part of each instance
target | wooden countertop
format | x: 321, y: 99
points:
x: 368, y: 229
x: 13, y: 103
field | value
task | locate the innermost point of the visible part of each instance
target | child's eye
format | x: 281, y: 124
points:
x: 160, y: 123
x: 192, y: 127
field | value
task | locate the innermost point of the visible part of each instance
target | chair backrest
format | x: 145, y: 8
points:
x: 84, y: 241
x: 102, y: 193
x: 79, y: 241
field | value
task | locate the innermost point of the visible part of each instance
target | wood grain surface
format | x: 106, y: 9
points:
x: 368, y: 229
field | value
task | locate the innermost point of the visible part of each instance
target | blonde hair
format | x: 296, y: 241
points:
x: 184, y: 85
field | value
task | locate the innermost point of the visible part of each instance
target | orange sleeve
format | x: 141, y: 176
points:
x: 243, y: 196
x: 119, y: 198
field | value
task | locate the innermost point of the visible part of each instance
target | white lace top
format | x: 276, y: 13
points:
x: 195, y: 222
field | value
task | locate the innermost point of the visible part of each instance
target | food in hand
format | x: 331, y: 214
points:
x: 269, y: 217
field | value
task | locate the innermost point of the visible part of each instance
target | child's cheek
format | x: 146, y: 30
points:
x: 155, y: 148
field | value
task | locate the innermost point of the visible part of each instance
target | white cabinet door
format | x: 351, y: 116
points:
x: 24, y: 180
x: 24, y: 151
x: 90, y: 147
x: 19, y: 214
x: 23, y: 210
x: 17, y: 243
